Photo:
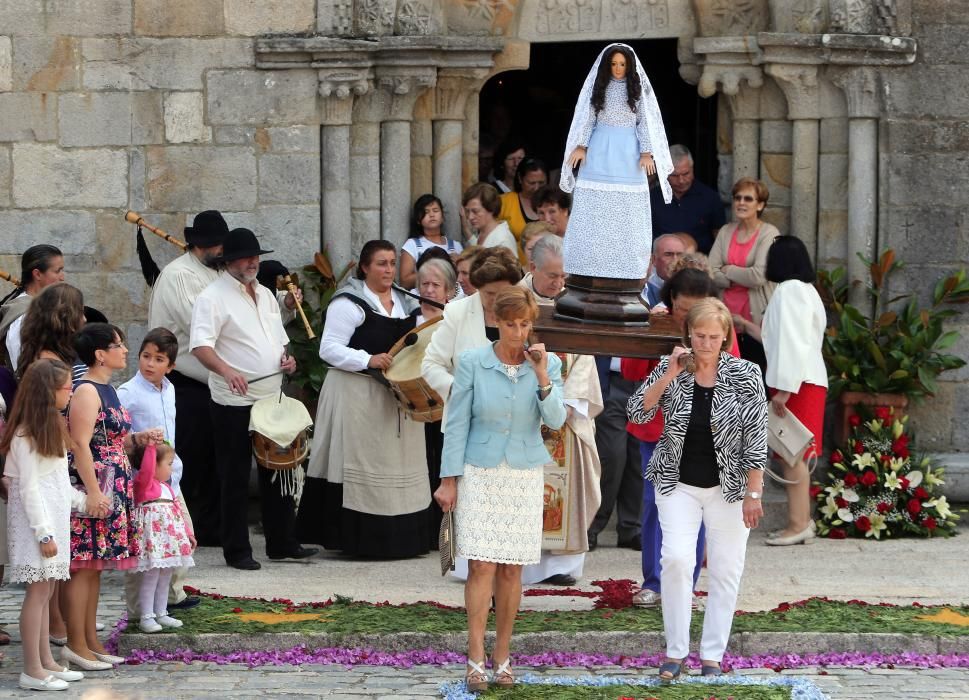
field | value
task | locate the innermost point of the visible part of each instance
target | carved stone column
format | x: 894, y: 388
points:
x: 365, y: 182
x: 800, y: 85
x: 454, y: 86
x: 400, y: 90
x: 337, y: 90
x: 860, y: 86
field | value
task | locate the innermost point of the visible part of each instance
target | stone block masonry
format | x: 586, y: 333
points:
x: 190, y: 178
x: 46, y: 176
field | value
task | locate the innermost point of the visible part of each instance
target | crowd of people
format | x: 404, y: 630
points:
x: 98, y: 478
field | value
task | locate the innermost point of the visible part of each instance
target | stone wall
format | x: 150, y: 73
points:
x: 151, y: 105
x: 925, y: 201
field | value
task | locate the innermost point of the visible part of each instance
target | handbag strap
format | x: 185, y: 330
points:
x: 812, y: 464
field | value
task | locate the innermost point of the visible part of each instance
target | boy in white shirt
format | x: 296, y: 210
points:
x: 150, y: 399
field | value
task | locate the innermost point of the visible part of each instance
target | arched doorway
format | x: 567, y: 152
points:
x: 536, y: 105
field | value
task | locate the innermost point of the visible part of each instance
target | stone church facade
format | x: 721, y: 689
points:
x: 316, y: 122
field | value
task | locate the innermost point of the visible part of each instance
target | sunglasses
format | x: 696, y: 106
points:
x: 744, y: 198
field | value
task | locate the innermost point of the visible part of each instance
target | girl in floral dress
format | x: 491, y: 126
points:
x: 100, y: 428
x: 166, y: 541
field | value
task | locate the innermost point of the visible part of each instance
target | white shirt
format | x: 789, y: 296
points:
x: 793, y: 332
x: 151, y: 407
x: 247, y: 335
x: 172, y: 299
x: 25, y: 467
x: 343, y: 317
x: 415, y: 246
x: 500, y: 235
x: 13, y: 337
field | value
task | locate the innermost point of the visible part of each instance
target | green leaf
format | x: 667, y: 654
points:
x: 947, y: 340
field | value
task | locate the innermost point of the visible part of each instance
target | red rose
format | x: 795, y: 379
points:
x: 854, y: 421
x: 815, y: 490
x: 863, y: 523
x: 836, y: 457
x: 884, y: 507
x: 914, y: 507
x: 930, y: 523
x: 904, y: 482
x: 850, y: 479
x: 841, y: 503
x: 859, y: 448
x: 836, y: 533
x: 883, y: 412
x: 886, y: 459
x: 921, y: 493
x: 868, y: 478
x: 900, y: 447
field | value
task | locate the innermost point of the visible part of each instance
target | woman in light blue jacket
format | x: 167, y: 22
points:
x: 492, y: 473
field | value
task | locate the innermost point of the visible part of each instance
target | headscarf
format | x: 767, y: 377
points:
x: 654, y: 124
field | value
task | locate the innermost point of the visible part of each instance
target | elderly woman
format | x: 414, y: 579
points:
x: 481, y: 208
x: 738, y: 261
x: 792, y: 333
x: 707, y: 468
x: 367, y: 497
x: 492, y: 472
x: 463, y: 264
x: 530, y: 235
x: 100, y: 428
x: 470, y: 322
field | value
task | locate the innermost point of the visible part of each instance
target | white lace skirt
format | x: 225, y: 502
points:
x: 498, y: 516
x: 26, y: 563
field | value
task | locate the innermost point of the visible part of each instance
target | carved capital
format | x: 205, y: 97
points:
x: 730, y: 78
x: 401, y: 88
x: 337, y: 90
x: 860, y: 85
x: 800, y: 86
x: 452, y: 91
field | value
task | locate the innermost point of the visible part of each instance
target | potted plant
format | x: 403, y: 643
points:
x: 894, y: 354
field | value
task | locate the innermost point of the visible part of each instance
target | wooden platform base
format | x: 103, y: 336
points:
x: 587, y: 338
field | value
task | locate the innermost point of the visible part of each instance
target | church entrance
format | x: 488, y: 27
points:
x: 535, y: 106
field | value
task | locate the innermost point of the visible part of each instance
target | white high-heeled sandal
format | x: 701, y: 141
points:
x: 476, y: 678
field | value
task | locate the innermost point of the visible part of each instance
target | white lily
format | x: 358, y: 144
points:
x: 846, y: 515
x: 897, y: 429
x: 941, y: 506
x: 874, y: 425
x: 863, y: 460
x: 877, y: 525
x: 931, y: 479
x: 850, y: 495
x: 914, y: 478
x: 830, y: 508
x: 896, y: 463
x: 892, y: 481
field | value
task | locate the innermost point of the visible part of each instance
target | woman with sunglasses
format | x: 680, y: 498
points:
x: 738, y: 262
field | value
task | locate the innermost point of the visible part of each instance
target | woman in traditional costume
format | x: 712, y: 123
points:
x: 363, y: 496
x: 616, y: 140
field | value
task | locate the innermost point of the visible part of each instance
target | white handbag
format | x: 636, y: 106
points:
x: 789, y: 439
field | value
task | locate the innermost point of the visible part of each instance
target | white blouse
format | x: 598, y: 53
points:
x: 793, y: 333
x: 343, y: 317
x: 25, y: 467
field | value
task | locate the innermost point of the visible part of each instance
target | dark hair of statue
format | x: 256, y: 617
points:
x: 634, y: 89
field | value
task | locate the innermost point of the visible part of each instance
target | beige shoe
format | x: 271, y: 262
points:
x: 805, y: 536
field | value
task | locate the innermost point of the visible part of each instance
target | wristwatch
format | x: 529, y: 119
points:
x: 754, y: 494
x: 46, y: 538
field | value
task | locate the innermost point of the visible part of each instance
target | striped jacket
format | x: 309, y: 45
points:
x: 738, y: 419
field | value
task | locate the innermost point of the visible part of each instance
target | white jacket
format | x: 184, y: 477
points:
x: 792, y: 333
x: 462, y: 328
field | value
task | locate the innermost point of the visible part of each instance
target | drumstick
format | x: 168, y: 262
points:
x: 265, y: 376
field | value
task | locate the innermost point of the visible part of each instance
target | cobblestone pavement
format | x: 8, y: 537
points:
x: 206, y: 680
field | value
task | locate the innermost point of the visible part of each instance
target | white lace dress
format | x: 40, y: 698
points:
x: 498, y: 515
x: 40, y: 501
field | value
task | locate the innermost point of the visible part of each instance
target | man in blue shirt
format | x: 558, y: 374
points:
x: 695, y: 208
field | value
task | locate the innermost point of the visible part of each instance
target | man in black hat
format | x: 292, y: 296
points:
x: 238, y: 335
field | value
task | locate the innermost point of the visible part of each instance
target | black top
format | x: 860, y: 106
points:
x: 698, y: 465
x: 492, y: 333
x: 378, y: 333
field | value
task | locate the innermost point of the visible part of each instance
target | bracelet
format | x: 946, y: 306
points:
x: 547, y: 387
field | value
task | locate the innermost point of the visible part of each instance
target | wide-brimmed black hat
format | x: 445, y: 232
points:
x: 207, y: 230
x: 241, y: 243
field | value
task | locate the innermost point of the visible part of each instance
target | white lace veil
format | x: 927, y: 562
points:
x: 654, y: 123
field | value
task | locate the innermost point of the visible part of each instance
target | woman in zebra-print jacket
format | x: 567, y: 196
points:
x: 707, y: 467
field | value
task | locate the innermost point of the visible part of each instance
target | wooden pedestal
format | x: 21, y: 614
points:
x: 591, y: 338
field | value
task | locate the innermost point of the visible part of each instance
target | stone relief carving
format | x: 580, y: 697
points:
x: 864, y: 16
x: 374, y: 17
x: 731, y: 17
x: 479, y: 17
x: 335, y: 17
x: 626, y: 17
x: 418, y: 18
x: 802, y: 16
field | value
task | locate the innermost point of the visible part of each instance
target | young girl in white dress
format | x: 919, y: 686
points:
x: 35, y: 442
x: 166, y: 541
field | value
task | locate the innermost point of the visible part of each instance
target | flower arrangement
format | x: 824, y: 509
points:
x: 878, y: 489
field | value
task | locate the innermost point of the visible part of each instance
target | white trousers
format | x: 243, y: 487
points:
x: 680, y: 515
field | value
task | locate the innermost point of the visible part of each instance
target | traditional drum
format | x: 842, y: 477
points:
x: 415, y: 396
x: 279, y: 427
